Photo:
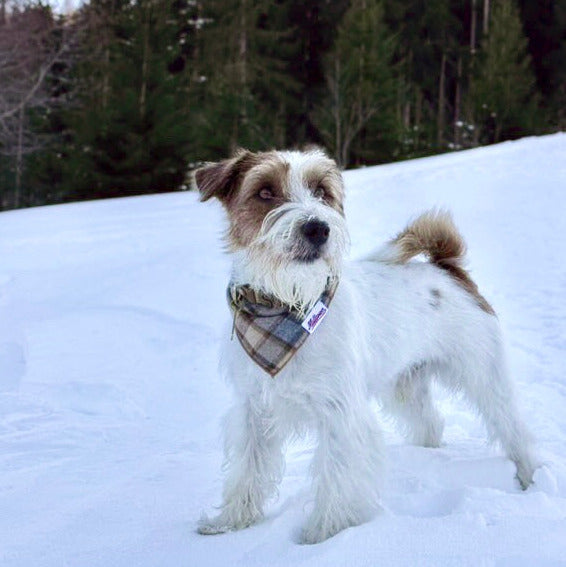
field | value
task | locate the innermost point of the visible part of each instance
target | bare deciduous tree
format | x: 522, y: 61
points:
x: 31, y: 43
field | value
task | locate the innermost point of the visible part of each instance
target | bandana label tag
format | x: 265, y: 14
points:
x: 314, y: 317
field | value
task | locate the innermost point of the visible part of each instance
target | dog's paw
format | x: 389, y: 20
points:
x: 322, y: 525
x: 312, y: 535
x: 223, y: 523
x: 309, y: 537
x: 525, y: 472
x: 211, y: 526
x: 317, y: 532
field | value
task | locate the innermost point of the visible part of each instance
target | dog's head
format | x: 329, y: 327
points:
x: 286, y: 219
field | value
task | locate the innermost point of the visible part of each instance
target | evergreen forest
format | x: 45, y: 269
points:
x: 126, y: 97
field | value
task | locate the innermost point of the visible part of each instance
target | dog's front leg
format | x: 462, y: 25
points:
x: 254, y: 465
x: 347, y: 469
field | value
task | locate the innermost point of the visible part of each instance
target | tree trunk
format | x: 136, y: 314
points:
x: 243, y: 54
x: 418, y: 108
x: 337, y: 117
x: 145, y: 61
x: 106, y: 77
x: 473, y: 26
x: 407, y: 115
x: 441, y: 103
x: 345, y: 152
x: 241, y: 66
x: 497, y: 133
x: 485, y: 17
x: 457, y: 104
x: 19, y: 159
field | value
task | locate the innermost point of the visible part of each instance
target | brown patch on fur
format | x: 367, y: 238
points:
x: 246, y: 210
x: 435, y: 235
x: 222, y: 178
x: 464, y: 279
x: 435, y: 298
x: 236, y: 182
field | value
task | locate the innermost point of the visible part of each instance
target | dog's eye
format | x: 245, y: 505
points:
x: 319, y: 191
x: 265, y: 193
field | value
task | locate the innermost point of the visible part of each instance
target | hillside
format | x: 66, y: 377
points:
x: 110, y: 399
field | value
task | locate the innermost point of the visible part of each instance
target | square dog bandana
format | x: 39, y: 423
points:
x: 270, y: 331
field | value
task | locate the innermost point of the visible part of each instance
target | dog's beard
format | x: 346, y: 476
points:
x: 280, y: 262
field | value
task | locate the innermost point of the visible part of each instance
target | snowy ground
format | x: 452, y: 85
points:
x: 110, y: 401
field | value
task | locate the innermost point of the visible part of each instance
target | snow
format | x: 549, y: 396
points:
x: 111, y: 404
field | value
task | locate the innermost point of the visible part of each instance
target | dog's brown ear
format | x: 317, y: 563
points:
x: 221, y: 178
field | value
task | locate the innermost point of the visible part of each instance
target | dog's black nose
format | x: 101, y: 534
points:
x: 316, y: 232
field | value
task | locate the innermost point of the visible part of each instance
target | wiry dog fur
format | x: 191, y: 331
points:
x: 393, y: 326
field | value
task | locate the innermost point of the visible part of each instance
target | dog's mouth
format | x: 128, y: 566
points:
x: 306, y: 253
x: 308, y: 256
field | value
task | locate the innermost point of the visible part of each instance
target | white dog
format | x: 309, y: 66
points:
x: 302, y: 356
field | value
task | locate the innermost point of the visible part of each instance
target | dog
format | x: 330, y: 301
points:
x: 384, y: 327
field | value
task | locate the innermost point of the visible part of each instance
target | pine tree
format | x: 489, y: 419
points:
x: 314, y: 27
x: 502, y: 96
x: 544, y: 22
x: 245, y: 88
x: 429, y: 36
x: 361, y: 84
x: 131, y: 122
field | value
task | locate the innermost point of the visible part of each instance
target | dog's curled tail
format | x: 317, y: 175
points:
x: 435, y: 236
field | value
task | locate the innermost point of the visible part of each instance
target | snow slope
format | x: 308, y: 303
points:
x: 110, y: 400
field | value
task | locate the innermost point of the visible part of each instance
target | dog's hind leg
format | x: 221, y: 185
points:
x: 484, y: 380
x: 412, y: 405
x: 254, y: 464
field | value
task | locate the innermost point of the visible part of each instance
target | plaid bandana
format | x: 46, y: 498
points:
x: 270, y: 331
